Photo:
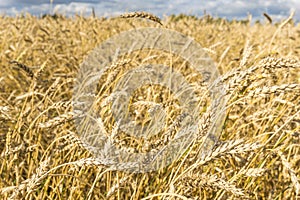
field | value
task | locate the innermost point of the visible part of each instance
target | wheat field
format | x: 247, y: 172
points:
x: 256, y: 156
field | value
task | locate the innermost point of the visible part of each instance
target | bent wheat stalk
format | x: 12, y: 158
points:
x: 142, y: 15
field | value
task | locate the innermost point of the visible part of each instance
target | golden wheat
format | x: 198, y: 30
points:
x: 256, y: 156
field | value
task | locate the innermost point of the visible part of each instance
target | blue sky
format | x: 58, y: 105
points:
x: 229, y: 9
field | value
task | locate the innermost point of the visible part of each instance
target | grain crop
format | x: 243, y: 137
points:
x: 256, y: 156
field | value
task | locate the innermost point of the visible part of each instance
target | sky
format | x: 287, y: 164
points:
x: 229, y: 9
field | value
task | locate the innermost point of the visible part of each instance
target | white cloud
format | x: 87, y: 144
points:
x: 35, y: 9
x: 4, y: 3
x: 73, y: 8
x: 221, y: 8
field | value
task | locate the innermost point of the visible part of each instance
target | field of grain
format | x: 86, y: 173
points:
x: 257, y: 155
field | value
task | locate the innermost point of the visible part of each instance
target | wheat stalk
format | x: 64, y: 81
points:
x: 60, y: 119
x: 142, y: 15
x: 210, y: 181
x: 295, y: 180
x: 274, y: 89
x: 268, y: 17
x: 25, y: 68
x: 284, y: 23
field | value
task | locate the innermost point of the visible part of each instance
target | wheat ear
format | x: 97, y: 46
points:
x: 28, y: 71
x: 144, y: 15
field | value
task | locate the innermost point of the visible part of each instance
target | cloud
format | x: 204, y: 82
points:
x: 73, y: 8
x: 222, y: 8
x: 34, y: 9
